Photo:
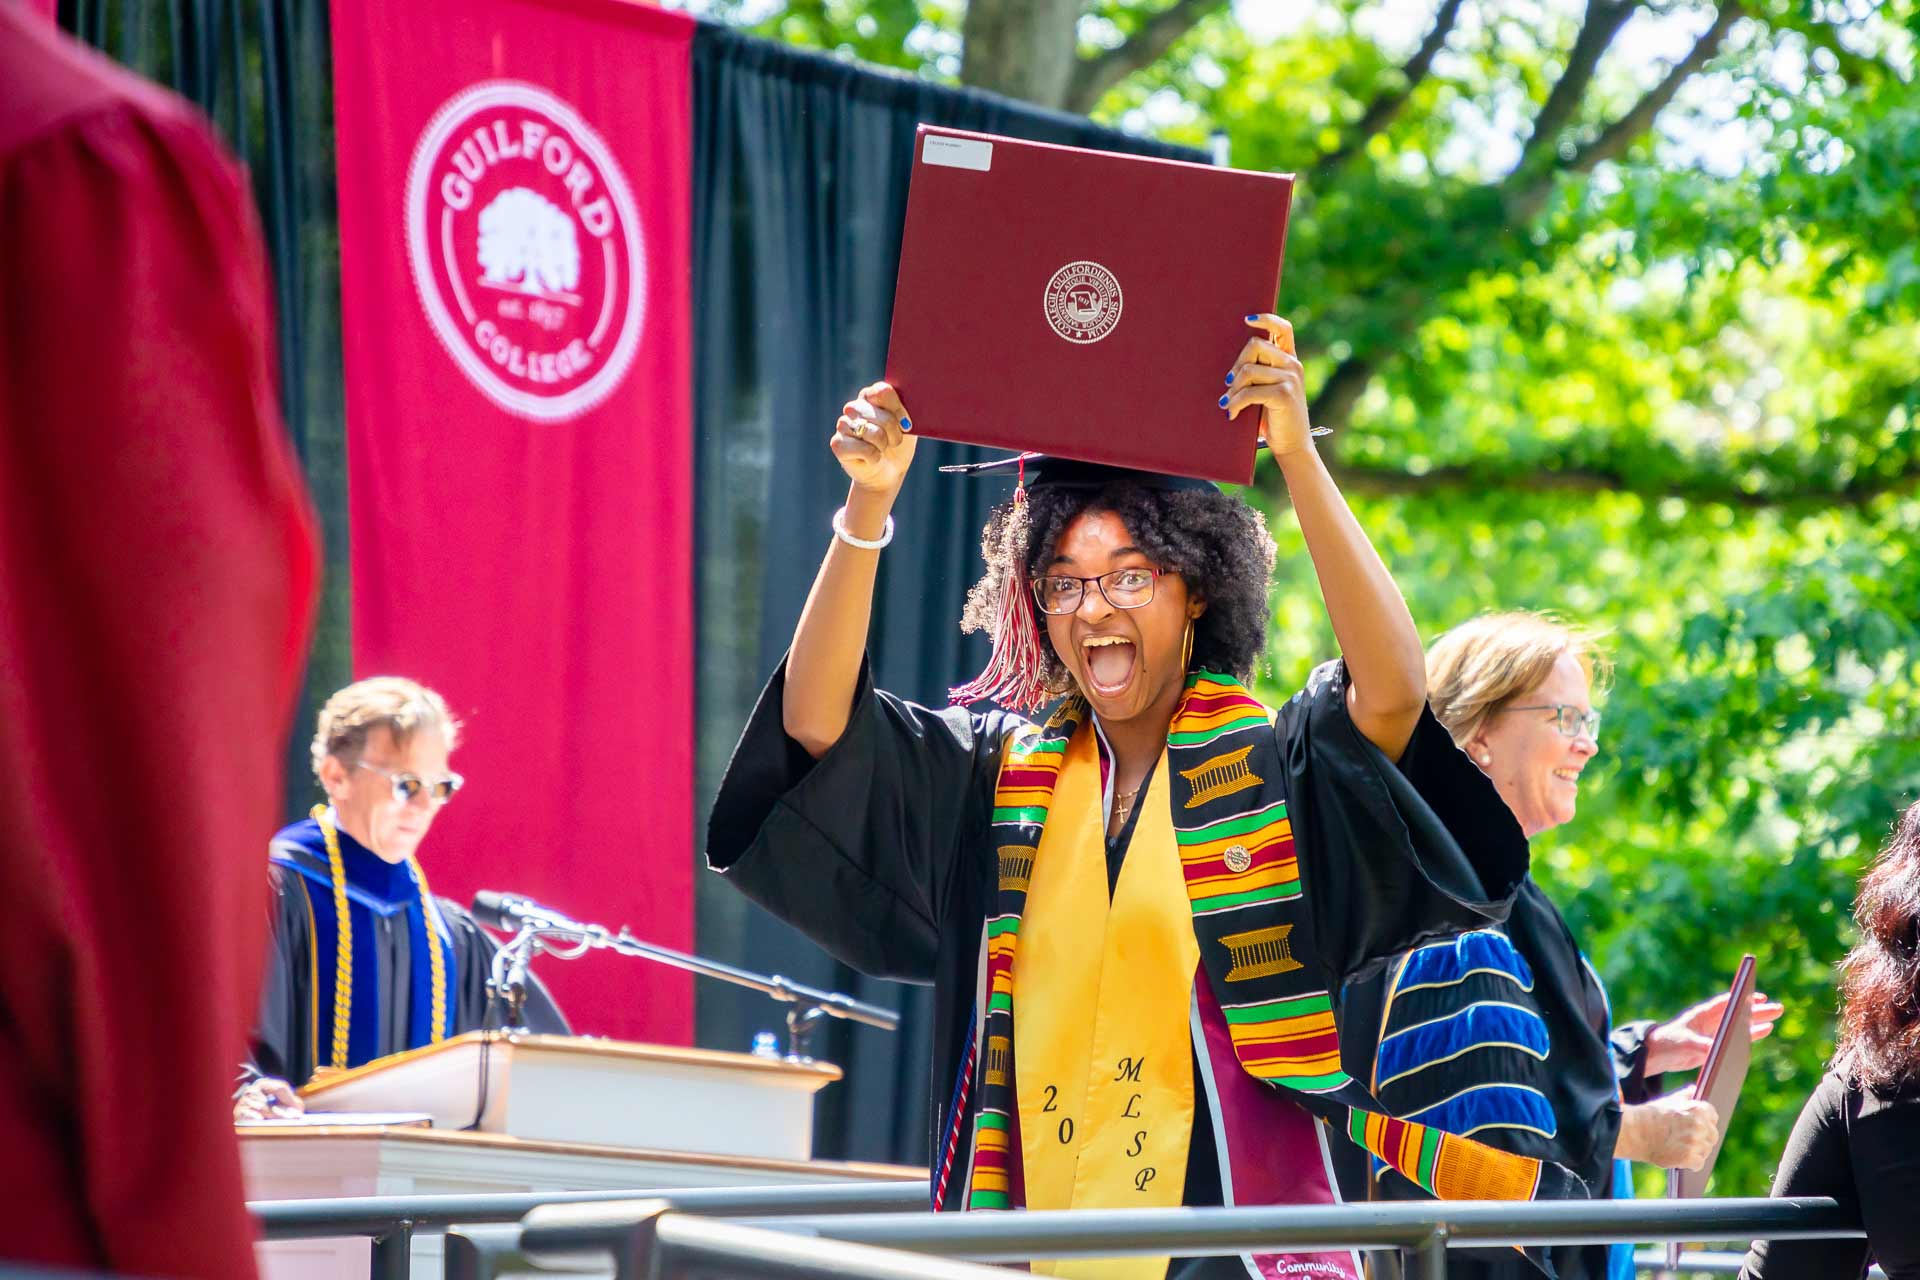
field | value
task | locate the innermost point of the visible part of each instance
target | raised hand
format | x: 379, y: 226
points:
x: 1266, y: 375
x: 873, y: 440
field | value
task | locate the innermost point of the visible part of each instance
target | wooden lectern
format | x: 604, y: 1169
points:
x: 554, y: 1113
x: 584, y: 1089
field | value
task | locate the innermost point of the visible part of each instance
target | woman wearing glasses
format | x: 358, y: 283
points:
x: 1506, y: 1032
x: 1137, y: 915
x: 365, y: 961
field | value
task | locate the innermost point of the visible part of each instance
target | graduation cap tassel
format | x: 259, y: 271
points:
x: 1013, y: 674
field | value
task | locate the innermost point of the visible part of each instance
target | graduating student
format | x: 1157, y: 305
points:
x: 1137, y: 915
x: 365, y: 960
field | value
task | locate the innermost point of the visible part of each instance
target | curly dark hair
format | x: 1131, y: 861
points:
x: 1879, y: 1041
x: 1214, y: 540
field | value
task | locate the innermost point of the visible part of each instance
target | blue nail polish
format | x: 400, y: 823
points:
x: 1223, y: 402
x: 1229, y: 379
x: 1253, y: 317
x: 906, y: 424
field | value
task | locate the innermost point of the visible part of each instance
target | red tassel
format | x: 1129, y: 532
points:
x: 1013, y: 674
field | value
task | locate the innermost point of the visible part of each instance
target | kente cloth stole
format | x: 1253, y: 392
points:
x: 1224, y: 785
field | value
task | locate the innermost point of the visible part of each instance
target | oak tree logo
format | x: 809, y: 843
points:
x: 526, y: 249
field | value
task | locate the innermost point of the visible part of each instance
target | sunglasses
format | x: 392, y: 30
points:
x: 407, y: 786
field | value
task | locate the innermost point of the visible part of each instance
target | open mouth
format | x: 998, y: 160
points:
x: 1569, y: 776
x: 1110, y: 663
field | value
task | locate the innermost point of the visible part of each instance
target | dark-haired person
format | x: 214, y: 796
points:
x: 1150, y: 901
x: 1858, y: 1137
x: 365, y: 960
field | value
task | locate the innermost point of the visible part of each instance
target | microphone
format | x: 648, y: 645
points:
x: 509, y: 912
x: 539, y: 929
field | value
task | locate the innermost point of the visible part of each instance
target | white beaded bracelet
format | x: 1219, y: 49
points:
x: 865, y: 544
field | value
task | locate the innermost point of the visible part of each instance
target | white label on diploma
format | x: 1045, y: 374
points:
x: 958, y: 153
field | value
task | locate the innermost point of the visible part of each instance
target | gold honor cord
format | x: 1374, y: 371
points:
x: 343, y: 945
x: 436, y: 1031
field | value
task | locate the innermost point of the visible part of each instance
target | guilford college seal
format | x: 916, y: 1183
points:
x: 526, y: 249
x: 1083, y: 302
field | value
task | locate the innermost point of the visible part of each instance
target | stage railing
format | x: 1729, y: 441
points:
x: 1421, y: 1232
x: 869, y: 1230
x: 1700, y: 1262
x: 390, y: 1221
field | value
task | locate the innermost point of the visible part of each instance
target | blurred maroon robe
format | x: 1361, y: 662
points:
x: 158, y: 569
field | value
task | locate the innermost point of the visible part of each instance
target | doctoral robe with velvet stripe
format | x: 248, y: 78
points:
x: 392, y: 974
x: 1504, y: 1034
x: 882, y: 853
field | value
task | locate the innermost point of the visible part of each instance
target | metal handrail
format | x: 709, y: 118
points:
x: 1017, y: 1236
x: 689, y: 1246
x: 794, y: 1231
x: 482, y: 1252
x: 639, y: 1237
x: 1701, y: 1262
x: 646, y: 1239
x: 375, y: 1215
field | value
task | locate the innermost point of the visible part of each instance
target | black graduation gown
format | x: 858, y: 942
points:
x: 881, y: 853
x: 284, y: 1040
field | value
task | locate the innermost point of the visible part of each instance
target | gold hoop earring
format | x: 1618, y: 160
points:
x: 1186, y: 648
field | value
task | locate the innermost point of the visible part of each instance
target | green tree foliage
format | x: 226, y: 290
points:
x: 1615, y: 308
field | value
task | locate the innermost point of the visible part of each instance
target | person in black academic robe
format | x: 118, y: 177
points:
x: 1535, y: 1031
x: 411, y: 968
x: 1507, y: 1032
x: 882, y: 853
x: 895, y: 836
x: 285, y: 1042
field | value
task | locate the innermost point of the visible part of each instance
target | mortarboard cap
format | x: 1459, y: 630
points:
x: 1040, y: 470
x: 1029, y: 270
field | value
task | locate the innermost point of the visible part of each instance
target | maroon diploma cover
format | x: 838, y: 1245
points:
x: 1080, y: 303
x: 1719, y: 1082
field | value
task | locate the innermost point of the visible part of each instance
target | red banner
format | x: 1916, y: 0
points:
x: 515, y: 190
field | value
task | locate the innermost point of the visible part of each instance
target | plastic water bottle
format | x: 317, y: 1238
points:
x: 766, y: 1045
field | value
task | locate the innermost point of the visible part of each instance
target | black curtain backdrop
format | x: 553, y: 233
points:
x: 800, y: 188
x: 263, y: 71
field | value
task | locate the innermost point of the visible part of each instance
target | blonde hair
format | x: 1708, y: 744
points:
x: 1485, y: 663
x: 401, y: 706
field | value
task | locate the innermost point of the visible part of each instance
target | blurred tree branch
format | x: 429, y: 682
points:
x: 1692, y: 485
x: 1382, y: 110
x: 1092, y: 77
x: 1527, y: 187
x: 1525, y: 199
x: 1603, y: 22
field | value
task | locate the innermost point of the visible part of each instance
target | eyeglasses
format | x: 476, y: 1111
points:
x: 406, y: 786
x: 1569, y: 720
x: 1123, y: 589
